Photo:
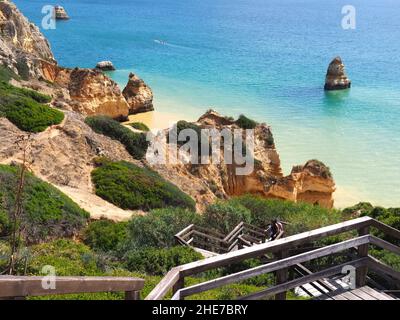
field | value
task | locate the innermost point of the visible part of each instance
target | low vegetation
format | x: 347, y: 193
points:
x: 7, y: 74
x: 26, y: 108
x: 245, y: 123
x: 47, y: 213
x: 131, y: 187
x: 140, y: 126
x: 135, y: 143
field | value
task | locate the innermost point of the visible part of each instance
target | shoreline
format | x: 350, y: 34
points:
x: 157, y: 120
x: 344, y: 196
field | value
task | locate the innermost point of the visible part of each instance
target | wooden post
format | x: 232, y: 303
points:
x: 361, y: 272
x: 282, y: 275
x: 132, y: 295
x: 178, y: 285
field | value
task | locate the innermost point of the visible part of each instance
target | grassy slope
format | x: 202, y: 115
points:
x: 26, y: 108
x: 48, y: 213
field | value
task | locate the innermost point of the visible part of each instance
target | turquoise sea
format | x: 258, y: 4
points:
x: 266, y: 59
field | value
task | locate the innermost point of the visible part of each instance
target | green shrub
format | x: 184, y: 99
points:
x: 135, y: 143
x: 131, y: 187
x: 66, y: 256
x: 7, y: 74
x: 47, y: 213
x: 245, y: 123
x: 389, y: 216
x: 26, y: 110
x: 105, y: 235
x: 155, y: 261
x: 300, y: 216
x: 140, y: 126
x: 224, y: 216
x: 158, y: 227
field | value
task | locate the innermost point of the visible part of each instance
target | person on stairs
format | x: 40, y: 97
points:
x: 275, y: 229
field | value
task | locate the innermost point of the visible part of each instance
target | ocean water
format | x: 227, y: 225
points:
x: 266, y: 59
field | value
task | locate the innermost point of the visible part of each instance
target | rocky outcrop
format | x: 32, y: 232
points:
x: 336, y: 77
x: 22, y: 45
x: 63, y: 155
x: 205, y: 183
x: 60, y: 13
x: 138, y: 95
x: 105, y: 66
x: 89, y: 92
x: 24, y: 50
x: 312, y: 183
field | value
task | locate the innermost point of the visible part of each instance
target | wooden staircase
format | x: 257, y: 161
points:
x: 285, y: 250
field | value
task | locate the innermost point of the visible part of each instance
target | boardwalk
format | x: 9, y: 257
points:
x: 362, y: 293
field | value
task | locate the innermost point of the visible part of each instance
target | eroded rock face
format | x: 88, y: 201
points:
x: 22, y: 45
x: 336, y: 77
x: 138, y: 95
x: 312, y: 183
x: 205, y: 183
x: 105, y: 66
x: 89, y: 92
x: 63, y: 156
x: 60, y: 13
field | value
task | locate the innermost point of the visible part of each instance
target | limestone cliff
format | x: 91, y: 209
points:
x: 138, y: 95
x: 24, y: 50
x: 310, y: 183
x: 63, y: 155
x: 89, y: 91
x: 22, y: 45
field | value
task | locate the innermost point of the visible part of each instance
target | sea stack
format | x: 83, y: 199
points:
x: 138, y: 95
x: 60, y: 13
x: 336, y: 77
x: 105, y: 66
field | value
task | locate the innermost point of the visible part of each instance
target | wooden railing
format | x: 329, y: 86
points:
x: 243, y: 235
x: 19, y: 287
x: 174, y: 280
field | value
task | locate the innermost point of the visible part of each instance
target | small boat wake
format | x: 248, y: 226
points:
x: 165, y: 43
x: 162, y: 42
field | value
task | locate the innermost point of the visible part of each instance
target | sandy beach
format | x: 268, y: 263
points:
x: 157, y: 120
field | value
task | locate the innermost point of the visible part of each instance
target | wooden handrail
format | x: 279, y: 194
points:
x: 22, y: 286
x: 253, y: 252
x: 303, y: 280
x: 273, y: 266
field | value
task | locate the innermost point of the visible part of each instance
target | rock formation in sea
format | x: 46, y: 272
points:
x: 336, y: 77
x: 105, y: 66
x: 311, y: 182
x: 138, y: 95
x: 60, y: 13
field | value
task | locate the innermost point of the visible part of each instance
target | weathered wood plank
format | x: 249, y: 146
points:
x: 15, y: 286
x: 303, y: 280
x: 273, y: 266
x: 362, y: 251
x: 273, y: 246
x: 385, y: 245
x: 349, y: 296
x: 376, y: 294
x: 380, y: 267
x: 362, y: 295
x: 388, y: 230
x: 164, y: 285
